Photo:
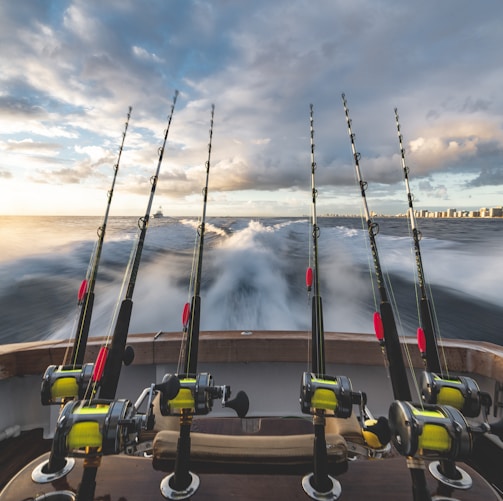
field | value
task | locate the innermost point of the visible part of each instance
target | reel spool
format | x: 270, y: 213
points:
x: 460, y: 392
x: 65, y: 382
x: 196, y: 394
x: 333, y: 393
x: 436, y: 432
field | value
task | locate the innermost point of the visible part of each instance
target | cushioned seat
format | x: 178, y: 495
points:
x: 254, y: 445
x: 251, y: 453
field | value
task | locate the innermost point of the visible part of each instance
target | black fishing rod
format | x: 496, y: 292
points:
x: 469, y: 399
x: 86, y: 292
x: 320, y: 480
x: 115, y: 354
x: 385, y: 325
x: 319, y: 484
x: 386, y: 330
x: 432, y: 357
x: 318, y: 335
x: 182, y: 477
x: 193, y: 312
x: 197, y: 390
x: 62, y: 383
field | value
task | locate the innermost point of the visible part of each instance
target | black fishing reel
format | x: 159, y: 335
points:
x: 460, y: 392
x: 61, y: 383
x: 432, y: 431
x: 196, y: 394
x: 331, y: 393
x: 95, y: 428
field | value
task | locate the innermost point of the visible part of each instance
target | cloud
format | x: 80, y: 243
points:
x: 81, y: 64
x: 434, y: 190
x: 487, y: 177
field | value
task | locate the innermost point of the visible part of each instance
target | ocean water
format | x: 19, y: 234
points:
x: 253, y: 274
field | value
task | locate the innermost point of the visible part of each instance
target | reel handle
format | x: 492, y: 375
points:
x: 241, y: 404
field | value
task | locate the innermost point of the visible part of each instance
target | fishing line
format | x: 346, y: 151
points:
x: 438, y: 330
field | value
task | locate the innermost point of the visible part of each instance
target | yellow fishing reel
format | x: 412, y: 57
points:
x: 61, y: 383
x: 196, y: 394
x: 95, y: 428
x: 460, y: 392
x: 434, y: 431
x: 332, y: 393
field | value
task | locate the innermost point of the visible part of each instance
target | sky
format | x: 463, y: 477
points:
x: 69, y: 70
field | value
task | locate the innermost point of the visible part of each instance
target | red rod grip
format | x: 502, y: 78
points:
x: 186, y: 314
x: 309, y: 278
x: 82, y: 290
x: 99, y: 366
x: 379, y: 328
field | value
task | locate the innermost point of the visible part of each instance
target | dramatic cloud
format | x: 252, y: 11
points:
x: 70, y: 69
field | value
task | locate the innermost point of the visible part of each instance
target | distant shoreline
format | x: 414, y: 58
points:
x: 388, y: 216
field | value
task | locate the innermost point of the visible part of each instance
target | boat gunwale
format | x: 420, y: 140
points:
x: 471, y: 357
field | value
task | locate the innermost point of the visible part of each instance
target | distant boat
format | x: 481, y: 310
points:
x: 158, y: 213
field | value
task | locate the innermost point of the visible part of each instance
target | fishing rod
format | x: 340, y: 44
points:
x: 86, y: 291
x: 385, y: 325
x: 468, y: 397
x: 64, y: 382
x: 319, y: 480
x: 110, y: 358
x: 196, y: 390
x: 318, y: 335
x: 320, y: 392
x: 192, y: 313
x: 461, y: 392
x: 427, y: 330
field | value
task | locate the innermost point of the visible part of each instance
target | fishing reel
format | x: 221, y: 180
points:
x: 436, y: 432
x: 332, y: 393
x: 196, y: 394
x: 460, y: 392
x: 65, y: 382
x: 89, y: 429
x: 94, y: 428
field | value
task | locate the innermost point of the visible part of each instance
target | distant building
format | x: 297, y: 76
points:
x: 482, y: 212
